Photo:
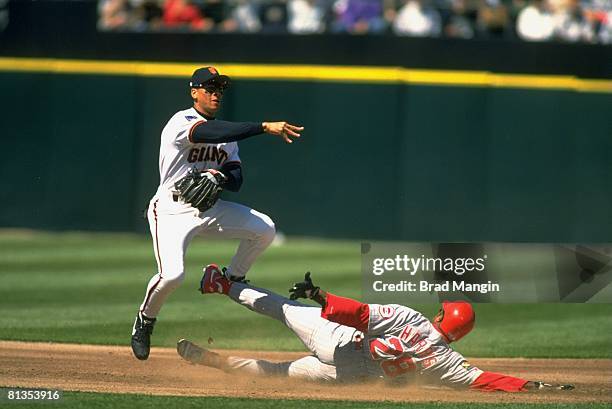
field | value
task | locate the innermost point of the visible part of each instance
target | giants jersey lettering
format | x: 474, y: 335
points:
x: 178, y: 153
x: 401, y: 340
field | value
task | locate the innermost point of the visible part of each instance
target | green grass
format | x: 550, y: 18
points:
x: 86, y: 288
x: 78, y: 400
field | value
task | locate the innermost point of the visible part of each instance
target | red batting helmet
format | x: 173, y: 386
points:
x: 454, y: 320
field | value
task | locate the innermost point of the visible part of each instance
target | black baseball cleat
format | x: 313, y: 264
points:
x: 234, y: 279
x: 141, y: 336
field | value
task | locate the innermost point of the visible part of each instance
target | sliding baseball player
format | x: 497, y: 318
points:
x: 352, y: 341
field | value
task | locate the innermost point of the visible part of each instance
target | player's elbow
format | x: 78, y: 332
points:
x: 234, y: 184
x: 233, y: 172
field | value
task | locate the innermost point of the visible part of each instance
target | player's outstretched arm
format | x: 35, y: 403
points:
x: 219, y: 131
x: 490, y: 381
x: 283, y: 129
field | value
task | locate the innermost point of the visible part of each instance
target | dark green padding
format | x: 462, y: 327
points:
x: 376, y: 161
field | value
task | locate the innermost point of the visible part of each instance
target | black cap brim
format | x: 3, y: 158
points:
x: 222, y: 81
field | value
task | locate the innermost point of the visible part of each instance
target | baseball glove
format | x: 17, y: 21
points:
x: 201, y: 189
x: 304, y: 289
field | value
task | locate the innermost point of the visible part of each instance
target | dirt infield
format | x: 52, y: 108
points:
x: 113, y: 369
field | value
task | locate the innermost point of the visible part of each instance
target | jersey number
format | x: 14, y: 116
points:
x: 392, y: 367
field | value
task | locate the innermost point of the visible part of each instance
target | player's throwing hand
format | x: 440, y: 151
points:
x: 283, y: 129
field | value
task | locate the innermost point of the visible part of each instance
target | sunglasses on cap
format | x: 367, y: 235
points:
x: 213, y: 86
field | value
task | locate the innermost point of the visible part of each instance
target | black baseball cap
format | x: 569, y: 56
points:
x: 209, y: 76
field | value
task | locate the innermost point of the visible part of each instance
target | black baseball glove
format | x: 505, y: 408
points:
x: 304, y: 289
x: 201, y: 189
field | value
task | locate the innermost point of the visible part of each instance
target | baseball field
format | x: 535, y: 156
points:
x: 68, y: 302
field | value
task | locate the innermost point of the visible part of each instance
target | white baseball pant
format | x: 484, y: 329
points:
x: 174, y: 225
x: 319, y: 335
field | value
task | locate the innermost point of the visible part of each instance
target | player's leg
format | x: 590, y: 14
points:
x: 171, y: 235
x: 308, y: 367
x: 230, y: 220
x: 319, y: 335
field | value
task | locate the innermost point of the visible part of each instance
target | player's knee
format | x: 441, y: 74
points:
x: 173, y: 281
x: 266, y: 229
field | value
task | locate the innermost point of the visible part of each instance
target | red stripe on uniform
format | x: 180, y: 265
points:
x: 157, y: 254
x: 192, y: 128
x: 149, y: 293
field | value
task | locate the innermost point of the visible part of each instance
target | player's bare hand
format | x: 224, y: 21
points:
x: 283, y: 129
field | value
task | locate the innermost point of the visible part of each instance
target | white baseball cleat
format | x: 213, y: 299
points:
x: 195, y: 354
x: 191, y: 352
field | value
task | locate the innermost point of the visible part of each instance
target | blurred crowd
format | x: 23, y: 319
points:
x: 531, y: 20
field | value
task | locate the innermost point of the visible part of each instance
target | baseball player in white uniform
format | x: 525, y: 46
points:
x: 194, y: 141
x: 352, y: 341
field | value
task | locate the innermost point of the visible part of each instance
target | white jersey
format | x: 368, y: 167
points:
x: 178, y: 153
x: 401, y: 341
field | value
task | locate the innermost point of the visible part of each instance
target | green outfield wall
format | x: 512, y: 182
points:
x: 389, y: 160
